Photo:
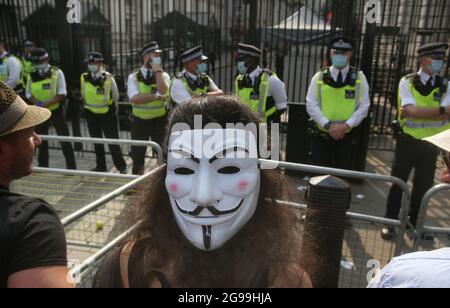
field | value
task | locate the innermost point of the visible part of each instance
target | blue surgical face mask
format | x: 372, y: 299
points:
x: 202, y: 68
x: 156, y: 61
x: 436, y: 66
x: 242, y: 69
x: 339, y: 61
x: 93, y: 68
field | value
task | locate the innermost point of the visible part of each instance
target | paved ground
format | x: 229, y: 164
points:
x: 362, y: 241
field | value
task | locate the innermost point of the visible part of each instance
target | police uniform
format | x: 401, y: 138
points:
x: 260, y: 89
x: 11, y: 71
x: 27, y: 65
x: 99, y: 92
x: 43, y: 87
x: 186, y: 84
x: 149, y: 118
x: 336, y: 96
x: 421, y: 90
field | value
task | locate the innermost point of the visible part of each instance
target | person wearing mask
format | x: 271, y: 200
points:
x: 337, y: 101
x: 258, y: 88
x: 46, y: 88
x: 10, y: 69
x: 193, y: 81
x: 100, y: 94
x: 207, y: 218
x: 424, y: 110
x: 147, y: 92
x: 27, y: 65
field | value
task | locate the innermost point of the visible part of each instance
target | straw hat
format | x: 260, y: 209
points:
x: 16, y: 115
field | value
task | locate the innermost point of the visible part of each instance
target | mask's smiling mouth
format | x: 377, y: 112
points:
x: 213, y: 210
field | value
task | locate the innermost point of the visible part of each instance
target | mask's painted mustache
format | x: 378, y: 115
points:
x: 213, y: 210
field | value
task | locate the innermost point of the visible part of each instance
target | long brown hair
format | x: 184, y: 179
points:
x: 265, y: 248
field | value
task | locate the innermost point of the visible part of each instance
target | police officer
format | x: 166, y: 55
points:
x: 99, y: 92
x: 337, y: 101
x: 424, y: 109
x: 27, y: 65
x: 193, y: 81
x: 46, y: 88
x: 147, y: 90
x: 10, y: 69
x: 259, y: 88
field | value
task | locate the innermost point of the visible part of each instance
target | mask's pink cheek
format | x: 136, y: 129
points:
x: 173, y: 187
x: 243, y: 185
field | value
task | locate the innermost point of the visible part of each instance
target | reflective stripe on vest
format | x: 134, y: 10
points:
x: 93, y: 100
x: 422, y: 128
x: 46, y: 90
x: 153, y: 110
x: 257, y: 105
x: 338, y: 104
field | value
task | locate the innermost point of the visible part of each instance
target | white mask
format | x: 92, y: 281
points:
x: 213, y: 194
x: 93, y: 68
x: 43, y: 68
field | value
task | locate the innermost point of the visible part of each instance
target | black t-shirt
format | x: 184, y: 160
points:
x: 31, y: 235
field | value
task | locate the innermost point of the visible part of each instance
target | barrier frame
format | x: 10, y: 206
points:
x: 421, y: 228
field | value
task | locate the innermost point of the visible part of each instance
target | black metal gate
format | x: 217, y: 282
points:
x: 293, y: 34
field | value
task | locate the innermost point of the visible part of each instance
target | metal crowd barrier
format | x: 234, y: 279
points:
x: 362, y: 239
x: 401, y: 224
x: 84, y: 273
x: 105, y: 199
x: 422, y: 229
x: 103, y: 141
x: 81, y: 173
x: 69, y: 190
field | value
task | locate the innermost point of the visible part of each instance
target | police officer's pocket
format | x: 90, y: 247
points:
x: 350, y: 94
x: 254, y: 96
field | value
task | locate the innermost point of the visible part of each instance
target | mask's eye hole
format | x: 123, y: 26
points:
x: 184, y: 171
x: 229, y: 170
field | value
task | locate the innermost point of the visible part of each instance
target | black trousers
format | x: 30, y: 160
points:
x: 105, y: 125
x: 59, y: 121
x: 327, y: 152
x: 144, y: 130
x: 420, y: 156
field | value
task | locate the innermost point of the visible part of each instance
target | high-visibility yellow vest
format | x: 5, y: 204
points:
x: 152, y: 110
x: 46, y: 89
x: 27, y: 68
x: 422, y: 128
x: 256, y: 96
x: 97, y: 99
x: 4, y: 70
x: 339, y: 104
x: 192, y: 89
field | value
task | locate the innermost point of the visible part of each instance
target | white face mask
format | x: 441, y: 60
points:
x: 93, y: 68
x: 43, y: 68
x: 213, y: 194
x: 156, y: 61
